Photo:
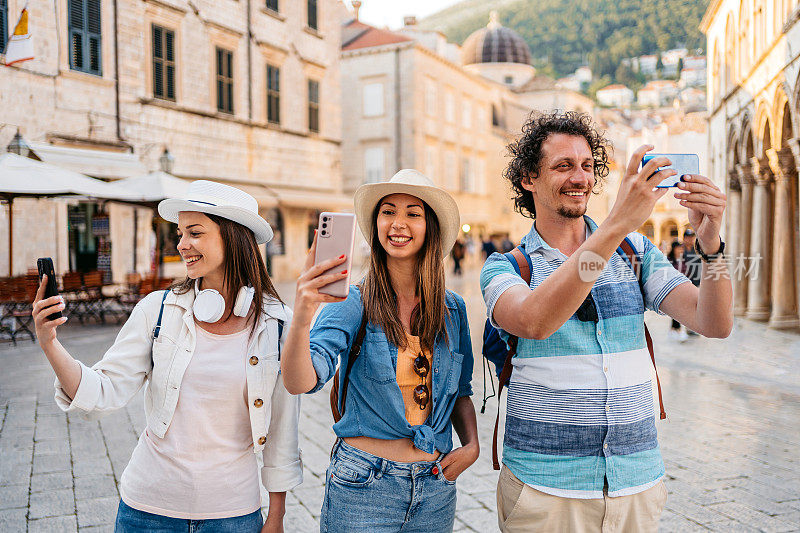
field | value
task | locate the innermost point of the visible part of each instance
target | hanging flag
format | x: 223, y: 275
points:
x: 20, y: 45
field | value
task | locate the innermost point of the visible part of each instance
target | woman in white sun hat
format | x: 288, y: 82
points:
x: 405, y: 365
x: 208, y: 349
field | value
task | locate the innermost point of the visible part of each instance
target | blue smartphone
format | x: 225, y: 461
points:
x: 682, y: 163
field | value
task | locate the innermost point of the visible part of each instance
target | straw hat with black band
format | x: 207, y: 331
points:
x: 409, y: 181
x: 220, y: 200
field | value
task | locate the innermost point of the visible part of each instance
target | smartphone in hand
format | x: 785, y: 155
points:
x: 45, y: 266
x: 682, y: 163
x: 335, y: 236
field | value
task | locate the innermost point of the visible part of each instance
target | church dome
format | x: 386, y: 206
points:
x: 495, y: 44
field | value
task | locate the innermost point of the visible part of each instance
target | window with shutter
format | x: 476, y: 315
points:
x: 224, y: 80
x: 273, y: 94
x: 312, y: 14
x: 313, y: 106
x: 163, y: 63
x: 85, y: 36
x: 3, y: 24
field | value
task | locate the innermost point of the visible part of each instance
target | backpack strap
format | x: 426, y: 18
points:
x: 355, y: 349
x: 636, y: 265
x: 157, y: 328
x: 523, y: 265
x: 280, y: 334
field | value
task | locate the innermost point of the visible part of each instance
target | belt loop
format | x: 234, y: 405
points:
x: 335, y: 447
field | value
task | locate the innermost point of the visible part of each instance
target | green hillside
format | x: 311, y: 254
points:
x: 564, y: 34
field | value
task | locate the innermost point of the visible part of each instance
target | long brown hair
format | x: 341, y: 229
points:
x: 242, y: 266
x: 380, y: 299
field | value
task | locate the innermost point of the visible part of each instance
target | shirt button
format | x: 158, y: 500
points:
x: 600, y: 332
x: 262, y: 440
x: 605, y: 369
x: 608, y: 407
x: 258, y: 402
x: 605, y: 445
x: 254, y: 360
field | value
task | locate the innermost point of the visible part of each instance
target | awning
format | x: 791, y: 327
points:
x: 315, y: 200
x: 95, y: 163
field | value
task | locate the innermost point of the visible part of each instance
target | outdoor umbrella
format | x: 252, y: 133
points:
x: 25, y: 177
x: 151, y: 189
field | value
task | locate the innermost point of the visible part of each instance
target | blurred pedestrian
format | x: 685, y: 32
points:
x: 487, y: 247
x: 457, y: 253
x: 676, y: 258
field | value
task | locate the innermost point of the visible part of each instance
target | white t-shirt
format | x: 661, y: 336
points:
x: 204, y: 467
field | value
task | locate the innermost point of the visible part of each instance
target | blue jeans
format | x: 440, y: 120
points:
x: 130, y: 520
x: 365, y: 493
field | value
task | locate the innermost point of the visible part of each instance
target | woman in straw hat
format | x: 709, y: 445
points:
x: 207, y: 349
x: 405, y: 365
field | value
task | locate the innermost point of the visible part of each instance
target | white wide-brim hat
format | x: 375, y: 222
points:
x: 220, y: 200
x: 409, y: 181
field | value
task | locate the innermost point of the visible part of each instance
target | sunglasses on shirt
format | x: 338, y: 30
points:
x: 421, y: 393
x: 587, y: 312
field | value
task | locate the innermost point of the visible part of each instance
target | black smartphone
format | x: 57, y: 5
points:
x: 45, y: 266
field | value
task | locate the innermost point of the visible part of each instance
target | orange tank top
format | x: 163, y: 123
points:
x: 408, y: 380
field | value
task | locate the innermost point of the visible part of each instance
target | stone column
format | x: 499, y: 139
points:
x: 784, y: 296
x: 758, y: 304
x: 741, y: 262
x: 733, y: 214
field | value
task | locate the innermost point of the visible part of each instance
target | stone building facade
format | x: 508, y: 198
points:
x: 245, y: 93
x: 754, y: 126
x: 413, y: 103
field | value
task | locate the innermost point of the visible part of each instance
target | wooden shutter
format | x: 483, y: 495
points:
x: 85, y: 36
x: 273, y: 94
x: 313, y: 105
x: 93, y: 36
x: 3, y: 24
x: 312, y: 14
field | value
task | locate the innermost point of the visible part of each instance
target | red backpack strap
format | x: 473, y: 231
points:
x: 637, y: 270
x: 505, y: 374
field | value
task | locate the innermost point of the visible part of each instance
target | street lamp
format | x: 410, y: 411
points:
x: 19, y: 146
x: 166, y: 161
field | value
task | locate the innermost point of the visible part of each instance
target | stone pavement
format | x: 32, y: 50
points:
x: 731, y: 443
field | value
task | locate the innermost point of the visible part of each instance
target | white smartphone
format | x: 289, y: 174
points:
x: 336, y: 233
x: 682, y: 163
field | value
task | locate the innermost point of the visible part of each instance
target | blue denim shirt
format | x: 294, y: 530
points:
x: 374, y: 405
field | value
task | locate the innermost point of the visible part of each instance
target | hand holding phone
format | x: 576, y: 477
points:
x: 682, y: 164
x: 47, y: 307
x: 45, y: 266
x: 335, y: 236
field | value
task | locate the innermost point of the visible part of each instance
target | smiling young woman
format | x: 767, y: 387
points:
x: 393, y: 464
x: 208, y: 350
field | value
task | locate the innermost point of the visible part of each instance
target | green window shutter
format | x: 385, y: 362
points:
x: 76, y: 34
x: 158, y: 63
x: 312, y: 14
x: 3, y: 24
x: 85, y: 36
x: 94, y: 35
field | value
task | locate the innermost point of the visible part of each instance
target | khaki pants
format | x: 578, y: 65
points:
x: 523, y: 509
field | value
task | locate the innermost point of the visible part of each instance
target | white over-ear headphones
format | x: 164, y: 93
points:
x: 209, y: 305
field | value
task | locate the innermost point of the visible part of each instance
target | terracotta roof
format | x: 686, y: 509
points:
x: 613, y: 87
x: 365, y: 36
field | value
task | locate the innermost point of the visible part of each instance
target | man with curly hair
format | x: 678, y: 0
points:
x: 580, y: 450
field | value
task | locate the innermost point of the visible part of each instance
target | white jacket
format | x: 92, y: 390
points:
x: 126, y: 366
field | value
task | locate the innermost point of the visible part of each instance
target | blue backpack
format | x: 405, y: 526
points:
x: 494, y: 348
